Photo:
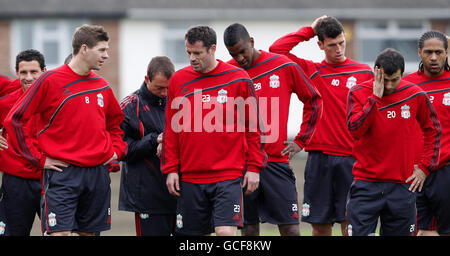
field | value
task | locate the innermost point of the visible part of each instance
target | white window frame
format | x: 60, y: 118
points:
x: 392, y: 31
x: 174, y: 32
x: 40, y: 36
x: 177, y: 31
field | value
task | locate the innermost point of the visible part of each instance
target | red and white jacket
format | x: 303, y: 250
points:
x: 10, y: 161
x: 438, y: 91
x: 333, y: 83
x: 207, y: 136
x: 79, y: 119
x: 384, y: 129
x: 275, y: 77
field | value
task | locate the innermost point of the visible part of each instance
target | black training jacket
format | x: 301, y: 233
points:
x: 142, y: 185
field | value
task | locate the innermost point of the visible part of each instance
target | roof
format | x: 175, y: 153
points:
x: 213, y: 9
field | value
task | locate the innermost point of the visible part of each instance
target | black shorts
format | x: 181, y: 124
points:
x: 201, y: 207
x: 433, y: 203
x: 327, y: 181
x: 392, y: 203
x: 20, y: 201
x: 76, y: 199
x: 276, y: 199
x: 3, y: 221
x: 154, y: 224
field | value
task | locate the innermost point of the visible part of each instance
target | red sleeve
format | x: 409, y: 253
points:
x: 170, y: 157
x: 427, y: 118
x: 312, y: 105
x: 256, y: 157
x: 360, y: 112
x: 285, y: 44
x: 6, y: 103
x: 114, y: 118
x: 27, y: 106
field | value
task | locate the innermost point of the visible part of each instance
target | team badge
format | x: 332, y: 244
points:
x: 405, y: 111
x: 179, y: 221
x: 274, y: 81
x: 144, y: 216
x: 100, y: 100
x: 351, y: 81
x: 446, y: 100
x: 109, y: 216
x: 349, y: 230
x: 52, y: 219
x: 305, y: 210
x: 222, y: 96
x: 2, y: 228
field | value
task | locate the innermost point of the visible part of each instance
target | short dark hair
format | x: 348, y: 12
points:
x: 30, y: 55
x: 162, y: 65
x: 328, y: 27
x: 390, y: 60
x: 204, y: 34
x: 234, y: 33
x: 429, y: 35
x: 89, y: 35
x: 432, y: 34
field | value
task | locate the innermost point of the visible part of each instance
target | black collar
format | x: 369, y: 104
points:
x: 151, y: 98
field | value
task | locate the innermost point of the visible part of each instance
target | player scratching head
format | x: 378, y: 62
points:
x: 389, y: 68
x: 330, y: 33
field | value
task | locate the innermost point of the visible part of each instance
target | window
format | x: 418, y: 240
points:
x: 375, y: 36
x: 174, y: 46
x: 52, y: 37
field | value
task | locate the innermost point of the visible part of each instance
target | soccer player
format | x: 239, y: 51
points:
x: 143, y: 187
x: 275, y: 77
x: 382, y: 114
x: 79, y: 135
x: 433, y: 76
x: 21, y: 186
x: 328, y: 170
x: 211, y: 133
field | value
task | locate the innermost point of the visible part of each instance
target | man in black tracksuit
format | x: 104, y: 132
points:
x: 143, y: 187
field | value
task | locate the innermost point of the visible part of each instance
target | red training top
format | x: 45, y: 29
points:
x: 10, y: 161
x: 6, y: 86
x: 333, y: 83
x: 384, y: 129
x: 211, y: 125
x: 275, y: 77
x: 438, y: 90
x: 79, y: 119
